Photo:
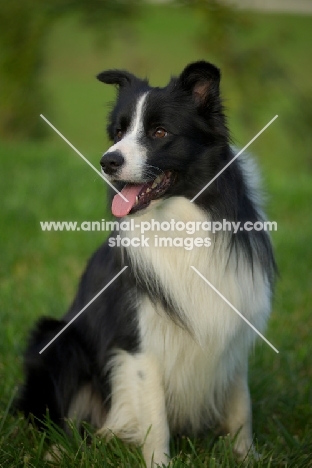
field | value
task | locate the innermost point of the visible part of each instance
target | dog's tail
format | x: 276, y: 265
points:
x: 52, y: 376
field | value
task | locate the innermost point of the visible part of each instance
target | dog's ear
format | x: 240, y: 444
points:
x: 120, y: 78
x: 201, y: 79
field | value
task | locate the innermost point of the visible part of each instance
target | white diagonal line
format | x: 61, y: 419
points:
x: 235, y: 157
x: 82, y: 310
x: 82, y: 156
x: 235, y: 310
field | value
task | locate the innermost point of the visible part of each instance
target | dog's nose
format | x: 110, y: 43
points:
x: 111, y: 162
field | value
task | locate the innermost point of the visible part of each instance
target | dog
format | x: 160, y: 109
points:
x: 159, y: 352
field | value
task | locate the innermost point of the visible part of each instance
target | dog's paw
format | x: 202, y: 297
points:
x: 54, y: 455
x: 248, y: 456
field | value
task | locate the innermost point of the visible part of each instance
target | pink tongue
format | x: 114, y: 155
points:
x: 120, y: 207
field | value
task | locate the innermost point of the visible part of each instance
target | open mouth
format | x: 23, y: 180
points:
x: 139, y: 196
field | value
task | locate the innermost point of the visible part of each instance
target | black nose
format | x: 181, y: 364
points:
x: 111, y: 162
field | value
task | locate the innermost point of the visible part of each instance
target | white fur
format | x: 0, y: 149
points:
x: 198, y: 373
x: 252, y: 178
x: 87, y: 404
x: 134, y: 153
x: 138, y: 410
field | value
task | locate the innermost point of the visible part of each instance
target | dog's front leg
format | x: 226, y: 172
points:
x: 138, y: 411
x: 238, y: 419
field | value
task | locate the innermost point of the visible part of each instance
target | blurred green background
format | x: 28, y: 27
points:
x: 50, y: 53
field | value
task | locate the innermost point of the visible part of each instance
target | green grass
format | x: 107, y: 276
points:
x: 48, y: 181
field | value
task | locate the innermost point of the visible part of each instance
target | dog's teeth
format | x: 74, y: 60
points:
x: 136, y: 200
x: 157, y: 181
x: 148, y: 190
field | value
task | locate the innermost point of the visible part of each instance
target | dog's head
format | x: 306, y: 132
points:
x: 162, y: 137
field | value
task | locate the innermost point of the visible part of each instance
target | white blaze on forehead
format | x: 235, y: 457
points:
x: 137, y: 121
x: 133, y: 151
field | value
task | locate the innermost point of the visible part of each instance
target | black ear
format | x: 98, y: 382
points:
x: 120, y: 78
x: 202, y: 80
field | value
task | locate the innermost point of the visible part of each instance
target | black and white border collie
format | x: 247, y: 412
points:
x: 159, y: 352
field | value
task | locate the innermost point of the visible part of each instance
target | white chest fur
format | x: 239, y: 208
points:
x: 197, y: 365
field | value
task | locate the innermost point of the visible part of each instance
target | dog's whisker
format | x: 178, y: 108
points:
x: 152, y: 171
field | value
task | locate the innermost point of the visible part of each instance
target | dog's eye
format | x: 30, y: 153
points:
x: 160, y: 132
x: 119, y: 134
